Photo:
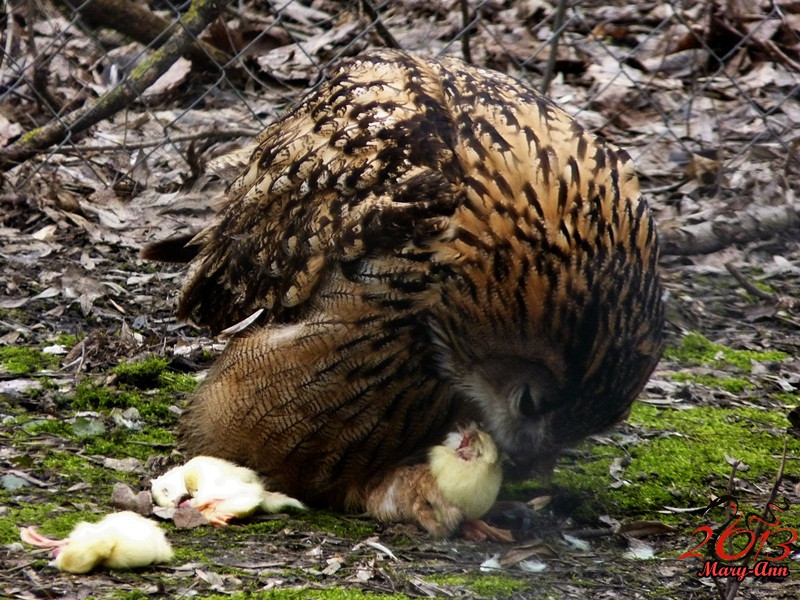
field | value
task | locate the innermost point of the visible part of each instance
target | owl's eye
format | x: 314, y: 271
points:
x: 527, y: 405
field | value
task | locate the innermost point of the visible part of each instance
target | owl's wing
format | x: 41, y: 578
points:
x: 363, y: 167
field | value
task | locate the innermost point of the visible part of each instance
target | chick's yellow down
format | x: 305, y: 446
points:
x: 183, y: 481
x: 120, y: 540
x: 467, y: 470
x: 420, y: 243
x: 218, y: 488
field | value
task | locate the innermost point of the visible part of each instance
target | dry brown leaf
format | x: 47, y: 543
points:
x: 520, y: 553
x: 125, y: 465
x: 212, y: 579
x: 301, y: 62
x: 172, y: 79
x: 11, y: 303
x: 334, y: 564
x: 8, y: 130
x: 638, y: 550
x: 187, y: 517
x: 703, y: 169
x: 616, y: 470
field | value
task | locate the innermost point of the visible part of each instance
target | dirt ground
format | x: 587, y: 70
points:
x: 76, y: 302
x: 129, y: 317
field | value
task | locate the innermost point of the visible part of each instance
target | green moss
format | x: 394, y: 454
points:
x: 117, y: 442
x: 24, y: 360
x: 28, y: 137
x: 751, y: 435
x: 142, y: 68
x: 734, y: 385
x: 491, y: 586
x: 764, y: 287
x: 337, y: 524
x: 146, y: 385
x: 697, y: 349
x: 67, y: 340
x: 178, y: 382
x: 184, y: 554
x: 143, y: 374
x: 788, y: 398
x: 248, y: 530
x: 680, y: 469
x: 49, y: 518
x: 89, y: 396
x: 152, y: 405
x: 52, y: 426
x: 122, y: 443
x: 130, y: 595
x: 75, y: 469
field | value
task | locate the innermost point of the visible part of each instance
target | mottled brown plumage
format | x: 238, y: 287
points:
x: 431, y: 242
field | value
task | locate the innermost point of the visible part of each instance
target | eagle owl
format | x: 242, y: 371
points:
x: 424, y: 243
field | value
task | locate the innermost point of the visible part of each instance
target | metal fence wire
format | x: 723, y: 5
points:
x: 122, y: 99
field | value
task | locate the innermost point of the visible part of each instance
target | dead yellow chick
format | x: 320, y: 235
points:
x: 218, y: 488
x: 170, y: 489
x: 118, y: 541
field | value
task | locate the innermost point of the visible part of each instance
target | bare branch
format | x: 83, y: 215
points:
x: 139, y: 23
x: 711, y: 236
x: 384, y: 33
x: 143, y: 76
x: 208, y: 135
x: 549, y: 70
x: 748, y: 286
x: 466, y: 26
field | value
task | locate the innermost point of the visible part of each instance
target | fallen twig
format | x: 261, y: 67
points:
x: 212, y: 134
x: 384, y: 33
x: 143, y: 76
x: 714, y: 235
x: 139, y: 23
x: 748, y: 285
x: 466, y: 29
x: 733, y: 584
x: 558, y: 25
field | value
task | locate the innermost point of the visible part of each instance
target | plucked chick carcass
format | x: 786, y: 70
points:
x: 428, y: 243
x: 456, y: 486
x: 466, y: 467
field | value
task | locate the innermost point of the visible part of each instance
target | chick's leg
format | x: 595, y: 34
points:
x: 29, y: 535
x: 210, y: 510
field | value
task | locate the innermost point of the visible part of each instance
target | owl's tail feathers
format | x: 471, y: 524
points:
x: 178, y: 249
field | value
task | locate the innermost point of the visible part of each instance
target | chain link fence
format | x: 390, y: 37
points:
x: 114, y: 99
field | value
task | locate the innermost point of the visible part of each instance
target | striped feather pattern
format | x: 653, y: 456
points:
x: 431, y: 242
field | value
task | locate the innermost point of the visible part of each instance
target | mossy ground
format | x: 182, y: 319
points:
x: 488, y: 586
x: 673, y: 454
x: 24, y: 360
x: 680, y: 469
x: 696, y: 349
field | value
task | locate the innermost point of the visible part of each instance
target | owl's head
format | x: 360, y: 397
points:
x: 534, y: 410
x: 537, y: 395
